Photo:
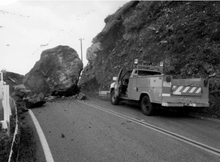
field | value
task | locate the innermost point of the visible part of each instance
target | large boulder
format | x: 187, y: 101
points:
x: 57, y: 72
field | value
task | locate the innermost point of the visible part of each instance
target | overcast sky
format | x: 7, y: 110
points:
x: 28, y: 27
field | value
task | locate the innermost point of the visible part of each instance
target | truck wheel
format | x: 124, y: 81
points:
x: 146, y: 106
x: 114, y: 100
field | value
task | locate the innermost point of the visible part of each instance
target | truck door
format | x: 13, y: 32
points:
x: 132, y: 86
x: 118, y: 84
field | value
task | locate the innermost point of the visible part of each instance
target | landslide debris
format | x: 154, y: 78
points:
x: 183, y: 34
x: 57, y: 72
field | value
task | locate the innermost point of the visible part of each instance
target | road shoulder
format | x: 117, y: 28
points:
x: 30, y: 147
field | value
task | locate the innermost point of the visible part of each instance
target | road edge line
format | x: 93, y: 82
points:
x: 44, y: 144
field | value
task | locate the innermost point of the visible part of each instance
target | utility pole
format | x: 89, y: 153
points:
x: 81, y: 39
x: 1, y: 77
x: 1, y: 84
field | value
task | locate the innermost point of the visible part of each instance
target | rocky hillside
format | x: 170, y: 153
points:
x: 185, y: 35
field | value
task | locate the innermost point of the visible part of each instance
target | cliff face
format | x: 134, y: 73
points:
x: 185, y: 35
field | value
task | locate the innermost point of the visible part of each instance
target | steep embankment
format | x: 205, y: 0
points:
x: 185, y: 35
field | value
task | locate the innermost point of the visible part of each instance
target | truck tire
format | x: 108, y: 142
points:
x: 146, y: 106
x: 114, y: 100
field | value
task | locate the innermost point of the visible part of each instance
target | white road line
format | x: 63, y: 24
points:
x: 47, y: 152
x: 161, y: 130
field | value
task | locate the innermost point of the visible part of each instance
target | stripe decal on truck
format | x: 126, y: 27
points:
x: 178, y: 90
x: 186, y: 89
x: 199, y: 90
x: 181, y: 90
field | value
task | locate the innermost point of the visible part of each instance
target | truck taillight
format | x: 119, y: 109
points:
x: 168, y: 79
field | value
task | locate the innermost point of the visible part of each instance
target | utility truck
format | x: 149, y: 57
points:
x: 151, y: 88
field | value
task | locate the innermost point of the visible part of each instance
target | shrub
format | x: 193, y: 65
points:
x: 5, y: 146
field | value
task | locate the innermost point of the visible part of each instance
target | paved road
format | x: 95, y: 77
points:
x: 78, y: 132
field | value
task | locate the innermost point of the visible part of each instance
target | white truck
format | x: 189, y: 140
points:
x: 150, y: 87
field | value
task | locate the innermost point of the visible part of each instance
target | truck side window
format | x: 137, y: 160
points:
x: 125, y: 78
x: 134, y: 73
x: 145, y: 73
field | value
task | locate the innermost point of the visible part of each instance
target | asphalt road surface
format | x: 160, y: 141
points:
x: 96, y: 131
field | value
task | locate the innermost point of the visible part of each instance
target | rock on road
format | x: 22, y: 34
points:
x: 78, y: 132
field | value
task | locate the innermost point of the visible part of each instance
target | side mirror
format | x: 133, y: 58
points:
x: 114, y: 78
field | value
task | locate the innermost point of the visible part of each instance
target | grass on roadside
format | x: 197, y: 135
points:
x: 27, y: 148
x: 6, y: 141
x: 5, y: 144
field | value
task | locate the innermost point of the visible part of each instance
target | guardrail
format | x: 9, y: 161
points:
x: 5, y: 99
x: 14, y: 151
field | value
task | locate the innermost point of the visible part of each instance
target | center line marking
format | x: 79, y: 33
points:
x: 161, y: 130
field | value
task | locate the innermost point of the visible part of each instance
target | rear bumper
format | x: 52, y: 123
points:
x: 185, y: 101
x: 167, y: 104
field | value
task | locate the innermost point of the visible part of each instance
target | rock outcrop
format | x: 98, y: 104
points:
x: 20, y: 92
x: 26, y: 99
x: 37, y: 100
x: 91, y: 52
x: 57, y: 72
x: 184, y: 35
